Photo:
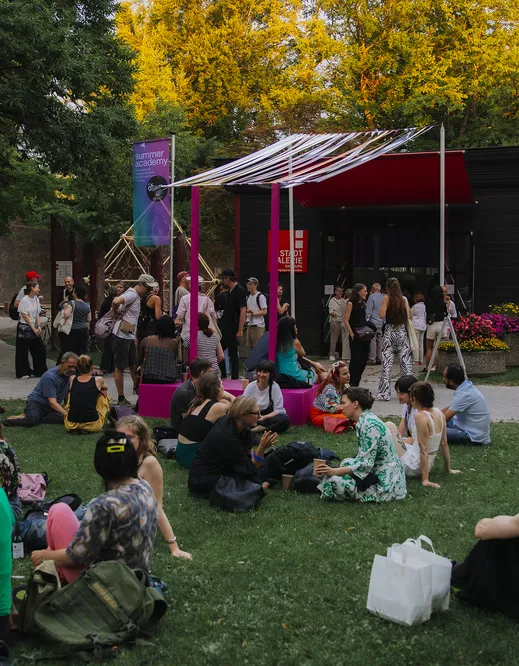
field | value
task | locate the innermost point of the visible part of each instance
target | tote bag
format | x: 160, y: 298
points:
x: 400, y: 588
x: 441, y: 569
x: 67, y: 317
x: 411, y: 333
x: 237, y: 495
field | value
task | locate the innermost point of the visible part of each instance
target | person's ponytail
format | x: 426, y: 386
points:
x: 203, y: 325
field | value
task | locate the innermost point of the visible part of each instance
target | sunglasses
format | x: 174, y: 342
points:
x: 255, y: 413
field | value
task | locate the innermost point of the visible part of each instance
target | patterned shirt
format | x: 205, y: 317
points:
x: 329, y: 400
x: 9, y: 470
x: 118, y: 525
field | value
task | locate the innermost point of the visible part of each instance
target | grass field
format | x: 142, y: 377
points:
x: 287, y: 584
x: 509, y: 378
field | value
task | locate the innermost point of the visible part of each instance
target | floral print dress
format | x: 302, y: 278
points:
x: 376, y: 454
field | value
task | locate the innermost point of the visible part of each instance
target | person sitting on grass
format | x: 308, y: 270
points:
x: 468, y: 417
x: 376, y: 473
x: 210, y: 404
x: 488, y: 577
x: 418, y: 453
x: 268, y: 395
x: 44, y: 402
x: 186, y: 392
x: 328, y: 401
x: 402, y: 387
x: 149, y: 469
x: 228, y: 450
x: 10, y: 475
x: 120, y: 524
x: 87, y: 403
x: 7, y: 521
x: 289, y: 354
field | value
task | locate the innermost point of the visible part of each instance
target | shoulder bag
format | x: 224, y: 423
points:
x: 236, y: 495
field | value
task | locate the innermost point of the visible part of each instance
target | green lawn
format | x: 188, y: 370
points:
x: 509, y: 378
x: 287, y: 584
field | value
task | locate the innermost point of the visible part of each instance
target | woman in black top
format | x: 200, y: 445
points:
x: 87, y: 402
x: 151, y: 312
x: 227, y: 450
x: 355, y: 319
x: 436, y: 309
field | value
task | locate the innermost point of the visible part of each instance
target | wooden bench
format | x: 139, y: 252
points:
x: 155, y: 400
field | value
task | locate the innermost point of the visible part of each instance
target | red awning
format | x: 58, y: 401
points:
x: 392, y: 180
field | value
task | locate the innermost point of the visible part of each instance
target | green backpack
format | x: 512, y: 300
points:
x: 107, y: 605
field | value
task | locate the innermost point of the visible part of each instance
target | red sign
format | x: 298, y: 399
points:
x: 300, y: 252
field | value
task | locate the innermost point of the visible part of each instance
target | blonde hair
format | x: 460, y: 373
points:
x: 242, y: 406
x: 140, y: 428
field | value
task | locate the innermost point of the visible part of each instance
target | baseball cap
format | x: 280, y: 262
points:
x: 181, y: 275
x: 32, y: 275
x: 148, y: 280
x: 253, y: 280
x: 228, y: 272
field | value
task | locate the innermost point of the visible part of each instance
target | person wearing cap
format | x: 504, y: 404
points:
x: 182, y: 289
x: 233, y: 320
x: 256, y: 311
x: 205, y: 306
x: 127, y: 308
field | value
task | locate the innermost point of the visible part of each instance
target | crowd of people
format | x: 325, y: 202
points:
x: 219, y: 435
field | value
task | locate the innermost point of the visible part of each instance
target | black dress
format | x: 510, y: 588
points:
x: 359, y: 349
x: 224, y: 451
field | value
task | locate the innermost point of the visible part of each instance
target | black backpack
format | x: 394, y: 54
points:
x: 13, y: 312
x: 289, y: 458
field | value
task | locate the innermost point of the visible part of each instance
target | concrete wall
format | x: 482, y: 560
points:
x: 28, y: 249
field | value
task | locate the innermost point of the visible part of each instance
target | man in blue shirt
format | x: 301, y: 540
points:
x: 468, y: 417
x: 44, y: 402
x: 372, y: 308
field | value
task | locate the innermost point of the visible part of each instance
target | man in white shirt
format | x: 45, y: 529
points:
x: 127, y: 307
x: 256, y: 311
x: 337, y: 309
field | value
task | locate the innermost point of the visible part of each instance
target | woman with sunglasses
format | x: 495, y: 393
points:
x: 376, y: 473
x: 328, y: 401
x: 229, y: 450
x: 120, y: 524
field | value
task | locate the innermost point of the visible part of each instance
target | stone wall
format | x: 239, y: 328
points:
x: 28, y: 249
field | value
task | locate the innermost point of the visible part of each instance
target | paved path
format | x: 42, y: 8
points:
x: 503, y: 400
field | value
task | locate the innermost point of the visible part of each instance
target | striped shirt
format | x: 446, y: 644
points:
x: 207, y: 350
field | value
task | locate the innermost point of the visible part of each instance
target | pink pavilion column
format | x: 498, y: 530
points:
x: 274, y: 258
x: 193, y: 271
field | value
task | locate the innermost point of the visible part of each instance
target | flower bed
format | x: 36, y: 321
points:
x: 511, y: 309
x: 507, y: 328
x: 482, y: 356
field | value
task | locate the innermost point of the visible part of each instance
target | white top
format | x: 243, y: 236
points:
x: 21, y: 293
x: 29, y: 306
x: 205, y: 305
x: 411, y: 458
x: 419, y: 317
x: 452, y: 309
x: 337, y: 308
x: 252, y: 304
x: 128, y: 311
x: 262, y: 397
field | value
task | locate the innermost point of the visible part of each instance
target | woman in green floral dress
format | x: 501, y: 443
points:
x: 376, y: 473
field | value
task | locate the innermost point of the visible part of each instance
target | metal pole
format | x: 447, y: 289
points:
x: 292, y: 245
x: 172, y: 226
x: 274, y: 259
x: 442, y: 205
x: 193, y: 272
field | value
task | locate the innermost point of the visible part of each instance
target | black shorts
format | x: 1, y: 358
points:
x: 125, y: 352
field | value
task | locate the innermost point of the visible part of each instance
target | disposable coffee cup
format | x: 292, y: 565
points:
x: 317, y: 462
x: 286, y: 481
x: 185, y: 376
x: 244, y: 383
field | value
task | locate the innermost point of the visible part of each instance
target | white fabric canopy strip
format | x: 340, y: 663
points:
x: 305, y: 158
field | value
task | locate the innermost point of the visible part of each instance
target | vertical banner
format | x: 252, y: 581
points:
x: 151, y: 201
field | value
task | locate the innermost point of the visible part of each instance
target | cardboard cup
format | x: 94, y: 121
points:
x: 317, y: 462
x: 286, y: 481
x: 244, y: 383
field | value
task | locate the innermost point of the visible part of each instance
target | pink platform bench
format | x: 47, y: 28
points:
x: 155, y: 399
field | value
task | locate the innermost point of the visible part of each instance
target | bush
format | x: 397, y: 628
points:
x: 478, y: 344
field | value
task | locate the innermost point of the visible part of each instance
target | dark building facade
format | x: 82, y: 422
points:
x: 352, y: 242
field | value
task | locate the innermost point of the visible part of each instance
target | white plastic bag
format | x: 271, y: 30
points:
x: 441, y: 569
x: 400, y: 588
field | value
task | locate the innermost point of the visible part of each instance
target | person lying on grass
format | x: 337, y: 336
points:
x: 429, y: 434
x: 376, y: 473
x: 489, y: 577
x: 120, y: 524
x: 229, y: 450
x: 149, y: 469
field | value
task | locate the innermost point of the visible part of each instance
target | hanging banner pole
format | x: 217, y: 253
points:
x: 172, y: 227
x: 292, y: 245
x: 274, y: 260
x: 442, y: 205
x: 193, y: 272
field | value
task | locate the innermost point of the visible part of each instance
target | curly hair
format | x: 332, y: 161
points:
x: 140, y: 428
x: 333, y: 377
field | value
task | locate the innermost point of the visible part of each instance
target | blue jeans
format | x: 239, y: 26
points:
x: 456, y: 436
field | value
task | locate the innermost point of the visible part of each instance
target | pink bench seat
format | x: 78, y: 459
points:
x: 155, y: 399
